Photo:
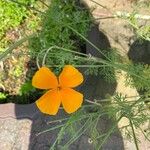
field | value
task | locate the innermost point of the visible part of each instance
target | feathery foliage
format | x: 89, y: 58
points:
x: 56, y: 33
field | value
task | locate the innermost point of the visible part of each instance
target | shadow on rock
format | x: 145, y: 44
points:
x: 139, y: 53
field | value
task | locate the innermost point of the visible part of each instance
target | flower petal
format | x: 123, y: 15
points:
x: 70, y: 77
x: 71, y: 99
x: 44, y: 79
x: 49, y: 103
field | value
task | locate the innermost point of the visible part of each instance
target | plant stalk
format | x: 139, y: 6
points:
x: 134, y: 136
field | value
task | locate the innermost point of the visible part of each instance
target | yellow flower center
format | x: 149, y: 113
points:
x: 59, y: 88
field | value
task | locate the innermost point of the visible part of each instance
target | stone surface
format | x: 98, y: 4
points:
x: 14, y: 134
x: 22, y: 135
x: 25, y: 134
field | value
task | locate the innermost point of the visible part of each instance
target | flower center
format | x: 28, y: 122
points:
x: 59, y: 88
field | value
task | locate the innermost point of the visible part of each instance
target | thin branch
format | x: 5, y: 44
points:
x: 80, y: 66
x: 59, y: 120
x: 59, y: 126
x: 98, y: 101
x: 144, y: 134
x: 92, y: 102
x: 85, y: 39
x: 134, y: 136
x: 110, y: 132
x: 44, y: 3
x: 101, y: 6
x: 127, y: 15
x: 44, y: 58
x: 120, y: 14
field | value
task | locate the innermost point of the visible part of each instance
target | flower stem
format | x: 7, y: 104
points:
x: 134, y: 136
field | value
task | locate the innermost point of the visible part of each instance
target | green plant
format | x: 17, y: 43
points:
x: 3, y: 97
x: 55, y: 31
x: 85, y: 122
x: 116, y: 107
x: 18, y: 71
x: 17, y: 18
x: 26, y: 88
x: 142, y: 31
x: 11, y: 15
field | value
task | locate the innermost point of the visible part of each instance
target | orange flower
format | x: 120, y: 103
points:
x: 60, y: 90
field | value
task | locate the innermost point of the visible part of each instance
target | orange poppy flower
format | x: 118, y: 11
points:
x: 59, y: 90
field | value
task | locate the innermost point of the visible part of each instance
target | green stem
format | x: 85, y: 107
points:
x: 80, y: 66
x: 68, y: 50
x: 101, y: 5
x: 114, y: 126
x: 109, y: 133
x: 134, y: 136
x: 87, y: 57
x: 59, y: 126
x: 92, y: 102
x: 79, y: 132
x: 144, y: 134
x: 44, y: 3
x: 88, y: 42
